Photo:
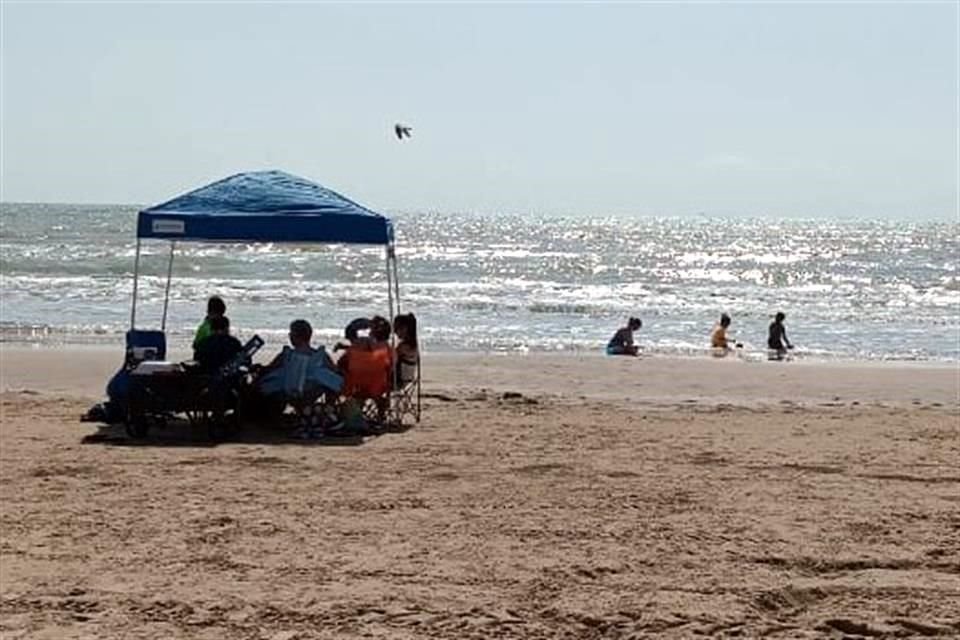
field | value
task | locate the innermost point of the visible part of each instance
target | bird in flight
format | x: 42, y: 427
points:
x: 401, y: 130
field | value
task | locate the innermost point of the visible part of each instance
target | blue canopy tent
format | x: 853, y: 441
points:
x: 259, y: 206
x: 264, y: 206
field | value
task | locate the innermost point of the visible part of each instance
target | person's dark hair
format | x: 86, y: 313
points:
x: 635, y: 323
x: 724, y: 320
x: 409, y: 322
x: 379, y: 328
x: 219, y: 323
x: 216, y: 306
x: 352, y: 332
x: 301, y: 329
x: 780, y: 317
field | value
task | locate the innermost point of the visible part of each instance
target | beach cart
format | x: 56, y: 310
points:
x: 254, y: 207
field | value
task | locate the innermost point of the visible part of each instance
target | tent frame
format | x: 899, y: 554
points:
x: 391, y: 271
x: 393, y: 292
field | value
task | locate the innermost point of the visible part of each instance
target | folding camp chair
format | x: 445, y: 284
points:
x: 308, y: 384
x: 404, y: 406
x: 388, y: 396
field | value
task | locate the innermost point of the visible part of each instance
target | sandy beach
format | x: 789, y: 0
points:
x: 600, y: 498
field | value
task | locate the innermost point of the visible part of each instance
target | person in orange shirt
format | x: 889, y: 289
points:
x: 368, y: 361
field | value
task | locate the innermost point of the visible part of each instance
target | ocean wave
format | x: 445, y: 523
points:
x: 445, y: 339
x: 863, y: 289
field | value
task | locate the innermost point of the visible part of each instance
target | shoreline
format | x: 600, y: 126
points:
x: 115, y: 343
x: 83, y: 371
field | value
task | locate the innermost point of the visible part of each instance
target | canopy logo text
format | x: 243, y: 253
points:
x: 168, y: 226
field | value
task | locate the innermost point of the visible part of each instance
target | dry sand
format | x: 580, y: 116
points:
x: 610, y: 499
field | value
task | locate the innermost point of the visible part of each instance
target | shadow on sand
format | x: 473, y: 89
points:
x: 181, y: 433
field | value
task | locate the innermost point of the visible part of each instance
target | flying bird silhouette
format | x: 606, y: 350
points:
x: 401, y: 131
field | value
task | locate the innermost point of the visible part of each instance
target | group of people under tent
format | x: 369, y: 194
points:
x: 721, y: 343
x: 368, y: 367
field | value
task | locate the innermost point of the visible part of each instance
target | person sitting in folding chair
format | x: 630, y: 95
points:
x: 407, y: 349
x: 367, y: 366
x: 405, y: 398
x: 218, y: 348
x: 301, y: 375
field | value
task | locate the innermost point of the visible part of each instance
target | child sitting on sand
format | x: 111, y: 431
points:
x: 719, y: 341
x: 621, y: 344
x: 777, y: 342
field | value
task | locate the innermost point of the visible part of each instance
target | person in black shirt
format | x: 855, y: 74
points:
x: 219, y: 348
x: 777, y: 341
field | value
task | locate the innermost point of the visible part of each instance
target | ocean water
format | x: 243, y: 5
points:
x: 851, y: 290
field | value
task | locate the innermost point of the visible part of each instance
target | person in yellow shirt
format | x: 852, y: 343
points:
x: 216, y: 308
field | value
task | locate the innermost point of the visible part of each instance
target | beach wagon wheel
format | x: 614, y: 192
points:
x: 222, y: 421
x: 220, y: 425
x: 137, y: 426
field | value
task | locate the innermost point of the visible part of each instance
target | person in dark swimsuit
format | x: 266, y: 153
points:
x: 777, y: 341
x: 621, y: 344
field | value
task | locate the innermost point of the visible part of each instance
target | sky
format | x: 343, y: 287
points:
x: 755, y: 109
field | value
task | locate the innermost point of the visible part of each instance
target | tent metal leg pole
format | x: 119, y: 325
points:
x: 396, y: 288
x: 393, y: 337
x: 389, y: 283
x: 166, y: 295
x: 136, y: 274
x: 396, y: 283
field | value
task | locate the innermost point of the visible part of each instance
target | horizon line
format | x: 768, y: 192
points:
x: 699, y: 214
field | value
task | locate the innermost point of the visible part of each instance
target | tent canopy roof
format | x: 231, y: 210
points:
x: 264, y: 206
